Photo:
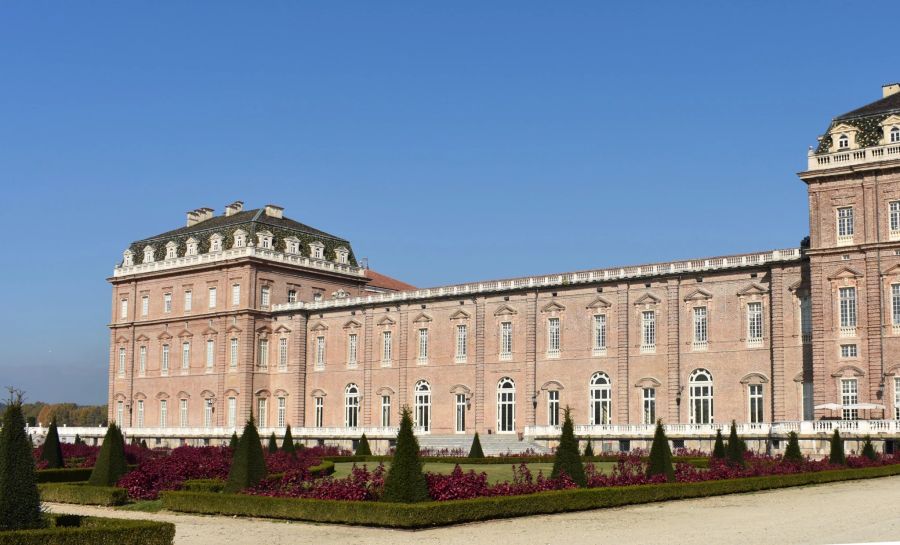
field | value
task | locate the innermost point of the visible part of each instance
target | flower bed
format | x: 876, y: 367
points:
x: 85, y: 456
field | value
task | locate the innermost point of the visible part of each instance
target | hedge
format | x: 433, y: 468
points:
x: 82, y: 494
x: 217, y: 485
x: 75, y: 530
x: 68, y: 475
x: 428, y: 514
x: 698, y: 462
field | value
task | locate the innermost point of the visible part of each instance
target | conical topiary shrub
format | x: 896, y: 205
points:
x: 287, y: 444
x: 273, y: 444
x: 78, y: 440
x: 52, y: 451
x: 660, y: 462
x: 475, y: 451
x: 405, y: 482
x: 362, y: 448
x: 568, y: 458
x: 792, y: 452
x: 589, y: 450
x: 248, y: 465
x: 718, y: 452
x: 233, y: 442
x: 836, y: 456
x: 868, y: 450
x: 111, y: 463
x: 734, y: 453
x: 20, y: 503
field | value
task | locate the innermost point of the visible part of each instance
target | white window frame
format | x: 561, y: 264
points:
x: 460, y: 413
x: 894, y: 135
x: 847, y: 311
x: 122, y: 359
x: 754, y: 324
x: 232, y: 412
x: 506, y: 341
x: 422, y: 406
x: 264, y: 296
x: 235, y: 295
x: 506, y: 406
x: 262, y: 412
x: 849, y: 396
x: 262, y: 356
x: 554, y: 341
x: 756, y: 407
x: 188, y: 300
x: 292, y: 296
x: 553, y: 407
x: 649, y: 405
x: 210, y: 354
x: 648, y: 331
x: 849, y: 351
x: 142, y: 360
x: 701, y: 397
x: 319, y: 417
x: 167, y: 303
x: 351, y: 406
x: 385, y: 411
x: 895, y: 307
x: 123, y: 309
x: 599, y: 336
x: 163, y: 413
x: 185, y: 355
x: 282, y: 353
x: 233, y: 353
x: 212, y: 300
x: 120, y: 413
x: 281, y: 414
x: 183, y: 415
x: 896, y: 398
x: 845, y: 225
x: 600, y: 400
x: 140, y: 414
x: 352, y: 349
x: 701, y: 328
x: 320, y: 352
x: 462, y: 343
x: 386, y: 348
x: 164, y: 360
x: 145, y: 305
x: 422, y: 346
x: 207, y: 413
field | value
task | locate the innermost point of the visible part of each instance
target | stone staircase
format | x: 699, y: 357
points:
x: 492, y: 445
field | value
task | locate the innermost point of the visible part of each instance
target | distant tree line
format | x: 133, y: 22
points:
x: 66, y: 414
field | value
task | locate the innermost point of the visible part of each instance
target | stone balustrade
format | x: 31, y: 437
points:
x: 844, y: 158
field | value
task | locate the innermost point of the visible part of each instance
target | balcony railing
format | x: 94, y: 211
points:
x: 848, y: 331
x: 845, y: 158
x: 699, y: 346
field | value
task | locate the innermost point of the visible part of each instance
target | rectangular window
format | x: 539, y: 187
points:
x: 145, y: 305
x: 142, y: 360
x: 210, y: 353
x: 164, y: 360
x: 649, y: 405
x: 163, y: 413
x: 648, y: 331
x: 208, y: 413
x: 262, y: 406
x: 599, y: 334
x: 894, y: 216
x: 232, y: 412
x: 212, y: 298
x: 553, y: 407
x: 806, y: 319
x: 506, y: 340
x: 263, y: 356
x: 460, y: 413
x: 140, y: 413
x: 282, y: 353
x: 183, y: 413
x: 847, y: 300
x: 385, y: 411
x: 895, y: 304
x: 235, y: 295
x: 756, y: 403
x: 701, y: 328
x: 188, y: 300
x: 351, y: 349
x: 553, y: 340
x: 121, y: 362
x: 120, y: 413
x: 185, y: 355
x: 423, y: 345
x: 848, y: 351
x: 386, y: 345
x: 233, y: 354
x: 849, y: 397
x: 320, y: 411
x: 896, y: 398
x: 167, y: 302
x: 754, y: 323
x: 320, y: 352
x: 462, y: 343
x: 123, y: 309
x: 282, y: 410
x: 264, y: 297
x: 292, y: 296
x: 845, y: 224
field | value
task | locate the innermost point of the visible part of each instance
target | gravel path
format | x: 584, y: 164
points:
x: 850, y: 512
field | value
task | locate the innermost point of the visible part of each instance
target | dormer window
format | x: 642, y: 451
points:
x: 128, y: 258
x: 149, y: 254
x: 215, y: 243
x: 317, y: 250
x: 193, y: 246
x: 265, y: 239
x: 240, y: 239
x: 342, y: 255
x: 895, y: 135
x: 292, y: 245
x: 844, y: 142
x: 171, y: 250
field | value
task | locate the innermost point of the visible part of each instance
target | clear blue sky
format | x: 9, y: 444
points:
x: 451, y: 143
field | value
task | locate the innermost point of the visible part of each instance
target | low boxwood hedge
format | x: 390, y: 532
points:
x: 75, y: 530
x: 427, y: 514
x: 694, y: 461
x: 82, y: 494
x: 67, y: 475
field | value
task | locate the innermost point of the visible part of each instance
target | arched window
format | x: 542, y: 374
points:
x: 351, y: 406
x: 701, y: 392
x: 843, y: 142
x: 895, y: 134
x: 422, y: 415
x: 601, y: 399
x: 506, y: 406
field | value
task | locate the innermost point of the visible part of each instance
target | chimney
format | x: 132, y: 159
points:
x: 206, y: 213
x: 234, y: 208
x: 193, y: 218
x: 274, y: 211
x: 890, y: 89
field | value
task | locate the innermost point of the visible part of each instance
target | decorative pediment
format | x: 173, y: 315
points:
x: 798, y: 286
x: 207, y: 394
x: 318, y: 392
x: 185, y: 334
x: 262, y: 392
x: 698, y: 294
x: 553, y: 306
x: 140, y: 395
x: 799, y: 377
x: 422, y: 318
x: 648, y: 382
x: 264, y: 330
x: 843, y: 127
x: 142, y: 338
x: 282, y: 330
x: 460, y: 315
x: 352, y: 324
x: 281, y: 393
x: 893, y: 271
x: 892, y: 119
x: 599, y: 302
x: 164, y: 336
x: 209, y: 331
x: 385, y: 391
x: 121, y: 339
x: 845, y: 272
x: 505, y: 310
x: 552, y: 385
x: 231, y: 392
x: 120, y: 396
x: 752, y: 289
x: 162, y: 395
x: 386, y: 321
x: 233, y: 329
x: 754, y: 378
x: 183, y: 395
x: 849, y: 370
x: 320, y: 326
x: 647, y: 299
x: 461, y: 389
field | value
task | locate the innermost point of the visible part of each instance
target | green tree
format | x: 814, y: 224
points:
x: 792, y: 452
x: 735, y: 450
x: 20, y: 503
x: 660, y: 462
x: 836, y: 457
x: 475, y: 451
x: 248, y: 466
x: 111, y: 463
x: 52, y: 450
x: 718, y: 452
x: 273, y: 443
x: 868, y: 450
x: 233, y: 443
x: 405, y: 482
x: 287, y: 444
x: 362, y: 448
x: 568, y: 457
x: 589, y: 449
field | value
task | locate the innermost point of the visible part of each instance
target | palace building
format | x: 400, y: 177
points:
x: 250, y: 312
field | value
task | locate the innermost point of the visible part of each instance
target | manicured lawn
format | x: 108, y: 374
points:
x: 495, y: 472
